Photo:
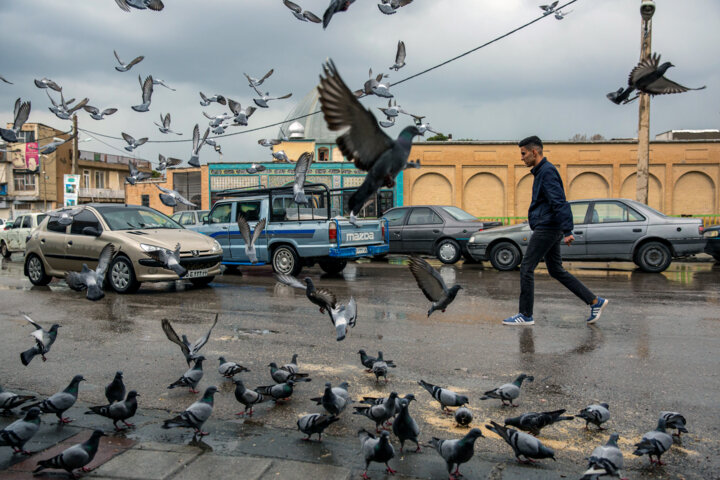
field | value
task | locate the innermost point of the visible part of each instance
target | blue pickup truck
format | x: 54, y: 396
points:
x: 295, y: 235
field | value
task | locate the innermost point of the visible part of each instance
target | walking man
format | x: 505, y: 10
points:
x: 551, y: 220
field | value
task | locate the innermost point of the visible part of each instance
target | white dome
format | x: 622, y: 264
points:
x: 296, y: 130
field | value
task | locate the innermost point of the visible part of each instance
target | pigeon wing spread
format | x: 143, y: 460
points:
x: 173, y: 337
x: 428, y: 279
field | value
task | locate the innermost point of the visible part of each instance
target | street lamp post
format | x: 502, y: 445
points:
x: 647, y: 9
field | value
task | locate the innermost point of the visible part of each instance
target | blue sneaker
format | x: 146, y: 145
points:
x: 596, y: 310
x: 519, y: 319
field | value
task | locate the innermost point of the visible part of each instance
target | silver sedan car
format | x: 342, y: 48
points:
x: 606, y: 229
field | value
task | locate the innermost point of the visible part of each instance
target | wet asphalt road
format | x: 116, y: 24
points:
x: 655, y: 348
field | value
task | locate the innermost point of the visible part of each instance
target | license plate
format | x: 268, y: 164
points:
x: 196, y: 273
x: 361, y: 250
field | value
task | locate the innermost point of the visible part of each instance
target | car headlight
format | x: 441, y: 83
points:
x: 216, y: 247
x: 472, y: 240
x: 711, y: 234
x: 150, y: 248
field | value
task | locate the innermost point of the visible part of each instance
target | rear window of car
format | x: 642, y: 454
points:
x: 459, y: 214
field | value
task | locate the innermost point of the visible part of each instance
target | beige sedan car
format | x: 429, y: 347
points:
x: 54, y: 249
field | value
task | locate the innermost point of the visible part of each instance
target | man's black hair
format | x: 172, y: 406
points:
x: 530, y: 142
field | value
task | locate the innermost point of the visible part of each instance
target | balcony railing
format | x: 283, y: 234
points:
x: 100, y: 193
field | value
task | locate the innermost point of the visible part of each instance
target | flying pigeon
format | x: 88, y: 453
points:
x: 447, y: 398
x: 47, y: 83
x: 281, y: 156
x: 163, y: 162
x: 523, y: 445
x: 388, y: 7
x: 247, y: 397
x: 265, y: 142
x: 164, y: 125
x: 283, y: 374
x: 125, y: 5
x: 534, y: 422
x: 378, y: 413
x: 378, y: 450
x: 509, y: 391
x: 205, y: 100
x: 215, y: 146
x: 132, y: 144
x: 387, y: 124
x: 344, y: 316
x: 560, y: 15
x: 249, y: 240
x: 548, y: 9
x: 315, y: 423
x: 321, y: 297
x: 368, y: 361
x: 191, y: 378
x: 302, y: 167
x: 463, y: 416
x: 115, y: 390
x: 217, y: 119
x: 432, y: 285
x: 123, y: 67
x: 229, y: 369
x: 20, y: 431
x: 379, y: 368
x: 278, y: 392
x: 255, y: 168
x: 392, y: 110
x: 43, y: 341
x: 65, y: 216
x: 220, y: 129
x: 77, y: 456
x: 335, y: 7
x: 96, y: 114
x: 364, y: 143
x: 10, y: 400
x: 197, y: 145
x: 371, y: 83
x: 59, y: 402
x: 159, y: 81
x: 171, y: 197
x: 8, y: 81
x: 256, y: 82
x: 654, y: 443
x: 63, y: 110
x: 135, y: 174
x: 301, y: 15
x: 168, y: 259
x: 92, y: 280
x: 399, y: 56
x: 196, y: 414
x: 595, y: 414
x: 265, y: 97
x: 456, y: 452
x: 147, y: 90
x: 405, y: 427
x: 190, y: 351
x: 674, y: 420
x: 22, y: 112
x: 240, y: 115
x: 119, y: 411
x: 605, y: 460
x: 334, y: 400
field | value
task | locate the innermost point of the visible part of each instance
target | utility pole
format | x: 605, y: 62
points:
x: 74, y: 146
x: 647, y: 9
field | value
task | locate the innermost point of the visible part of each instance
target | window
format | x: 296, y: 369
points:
x: 323, y: 154
x: 134, y: 217
x: 86, y: 179
x: 54, y: 226
x: 25, y: 136
x: 84, y: 219
x: 27, y: 222
x: 395, y: 218
x: 145, y: 200
x: 578, y: 212
x: 613, y: 212
x: 187, y: 218
x: 18, y: 222
x: 423, y: 216
x: 24, y: 182
x: 249, y: 210
x: 189, y: 185
x: 221, y: 213
x: 99, y: 179
x: 460, y: 214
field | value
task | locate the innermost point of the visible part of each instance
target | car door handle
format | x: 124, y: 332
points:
x: 435, y: 230
x: 70, y: 242
x: 637, y: 230
x: 42, y: 240
x: 578, y: 232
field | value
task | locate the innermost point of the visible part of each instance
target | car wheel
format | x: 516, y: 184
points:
x: 202, y: 282
x: 448, y: 251
x: 35, y: 270
x: 121, y: 275
x: 653, y: 257
x: 332, y: 266
x: 4, y: 250
x: 285, y: 261
x: 505, y: 256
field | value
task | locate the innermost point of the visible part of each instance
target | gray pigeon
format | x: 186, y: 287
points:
x: 380, y: 400
x: 399, y: 56
x: 292, y: 366
x: 302, y: 167
x: 217, y: 119
x: 364, y: 142
x: 240, y: 115
x: 77, y: 456
x: 196, y: 414
x: 380, y: 368
x: 65, y: 216
x: 49, y: 148
x: 432, y: 285
x: 205, y: 100
x: 533, y: 422
x: 47, y: 83
x: 405, y: 427
x: 654, y: 443
x: 256, y: 82
x: 132, y: 144
x: 247, y: 397
x: 118, y: 411
x: 168, y: 259
x: 164, y: 125
x: 447, y: 398
x: 160, y: 81
x: 334, y: 400
x: 509, y: 391
x: 344, y: 316
x: 523, y: 444
x: 249, y: 240
x: 59, y: 402
x: 22, y: 112
x: 268, y: 142
x: 230, y: 369
x: 9, y: 82
x: 378, y: 413
x: 378, y: 450
x: 369, y: 84
x: 155, y: 5
x: 64, y: 111
x: 197, y: 144
x: 388, y: 7
x: 20, y: 431
x: 147, y: 91
x: 605, y: 460
x: 43, y: 341
x: 125, y: 67
x: 255, y: 168
x: 136, y: 175
x: 335, y: 7
x: 368, y: 361
x: 456, y: 452
x: 92, y: 280
x: 189, y: 350
x: 315, y: 423
x: 10, y: 400
x: 265, y: 97
x: 279, y: 392
x: 281, y: 156
x: 191, y: 378
x: 282, y: 374
x: 463, y: 416
x: 548, y: 9
x: 115, y: 390
x: 595, y: 414
x: 321, y: 297
x: 675, y: 420
x: 303, y: 16
x: 170, y: 197
x: 164, y: 163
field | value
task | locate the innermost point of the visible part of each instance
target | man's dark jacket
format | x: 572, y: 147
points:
x: 549, y: 210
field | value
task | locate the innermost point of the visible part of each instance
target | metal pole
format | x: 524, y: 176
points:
x: 641, y: 191
x: 74, y: 146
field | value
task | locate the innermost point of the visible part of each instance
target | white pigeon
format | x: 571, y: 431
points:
x: 248, y: 239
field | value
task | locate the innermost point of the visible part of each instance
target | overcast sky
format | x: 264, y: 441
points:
x: 549, y: 79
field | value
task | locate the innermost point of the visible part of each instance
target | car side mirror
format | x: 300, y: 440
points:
x: 205, y: 219
x: 92, y: 231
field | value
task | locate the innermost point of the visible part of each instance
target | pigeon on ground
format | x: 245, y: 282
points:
x: 334, y: 400
x: 65, y: 216
x: 605, y: 460
x: 171, y: 198
x: 169, y: 259
x: 115, y: 390
x: 136, y: 175
x: 364, y: 142
x: 463, y: 416
x: 20, y: 431
x: 378, y: 450
x: 123, y: 67
x: 77, y: 456
x: 278, y: 392
x: 268, y: 142
x: 132, y: 144
x: 256, y: 82
x: 533, y: 422
x: 302, y: 167
x: 378, y: 413
x: 125, y: 5
x: 432, y: 285
x: 163, y: 162
x: 321, y: 297
x: 247, y: 397
x: 96, y: 114
x: 292, y: 366
x: 119, y: 411
x: 159, y: 81
x: 22, y: 112
x: 523, y: 444
x: 335, y: 7
x: 255, y: 168
x: 265, y: 97
x: 405, y: 427
x: 654, y: 443
x: 59, y: 402
x: 380, y: 368
x: 368, y: 361
x: 315, y: 423
x: 47, y: 83
x: 190, y: 351
x: 10, y: 400
x: 240, y: 115
x: 92, y: 280
x: 197, y: 144
x: 248, y: 239
x: 191, y: 378
x: 388, y: 7
x: 399, y: 56
x: 595, y: 414
x: 230, y: 369
x: 196, y: 414
x: 283, y: 374
x: 380, y: 400
x: 301, y: 15
x: 43, y: 341
x: 164, y: 125
x: 147, y: 90
x: 205, y: 101
x: 456, y: 452
x: 447, y: 398
x: 674, y: 420
x: 281, y: 156
x: 548, y: 9
x: 509, y: 391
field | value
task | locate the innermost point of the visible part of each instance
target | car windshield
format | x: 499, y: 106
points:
x: 135, y: 218
x: 460, y: 214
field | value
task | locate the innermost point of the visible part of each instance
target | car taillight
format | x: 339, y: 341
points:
x: 701, y: 229
x: 383, y: 232
x: 332, y: 232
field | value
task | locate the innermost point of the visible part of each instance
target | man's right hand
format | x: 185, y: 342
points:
x: 568, y: 240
